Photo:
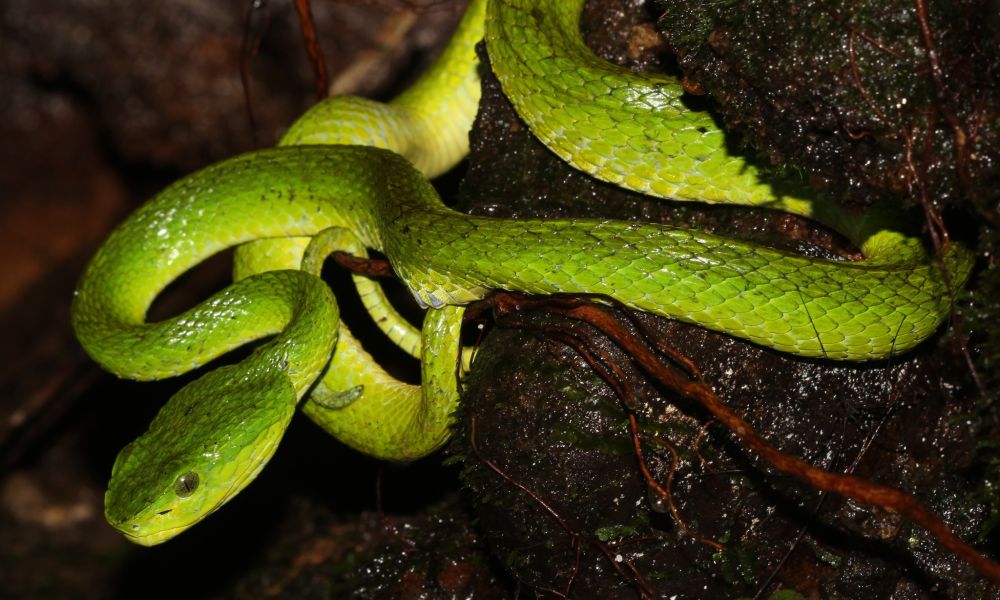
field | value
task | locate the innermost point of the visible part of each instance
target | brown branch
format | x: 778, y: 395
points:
x: 664, y: 491
x: 800, y: 535
x: 857, y: 78
x: 860, y: 33
x: 855, y: 488
x: 249, y: 47
x: 852, y: 487
x: 614, y: 376
x: 937, y: 75
x: 372, y: 267
x: 651, y: 337
x: 312, y: 47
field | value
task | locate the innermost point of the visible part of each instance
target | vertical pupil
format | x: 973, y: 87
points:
x: 186, y: 484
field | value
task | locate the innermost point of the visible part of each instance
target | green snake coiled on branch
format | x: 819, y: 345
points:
x: 351, y: 175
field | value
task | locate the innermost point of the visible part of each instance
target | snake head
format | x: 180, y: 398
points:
x: 206, y: 444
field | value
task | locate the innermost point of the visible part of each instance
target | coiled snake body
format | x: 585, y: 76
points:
x: 351, y: 174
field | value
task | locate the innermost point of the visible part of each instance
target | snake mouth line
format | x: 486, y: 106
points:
x: 157, y: 537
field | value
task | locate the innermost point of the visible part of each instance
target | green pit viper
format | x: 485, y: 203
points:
x: 351, y: 174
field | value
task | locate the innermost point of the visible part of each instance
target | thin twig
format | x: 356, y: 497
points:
x: 249, y: 47
x: 860, y: 490
x: 304, y: 9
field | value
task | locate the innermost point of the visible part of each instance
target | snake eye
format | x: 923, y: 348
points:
x: 186, y: 484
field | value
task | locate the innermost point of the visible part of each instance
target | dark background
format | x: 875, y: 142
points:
x: 103, y: 103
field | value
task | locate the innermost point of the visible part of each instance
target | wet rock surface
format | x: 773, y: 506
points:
x: 554, y: 472
x: 863, y: 96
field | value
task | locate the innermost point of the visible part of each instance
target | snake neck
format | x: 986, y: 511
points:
x: 443, y: 102
x: 428, y: 124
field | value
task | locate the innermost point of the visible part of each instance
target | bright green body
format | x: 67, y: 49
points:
x: 310, y: 200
